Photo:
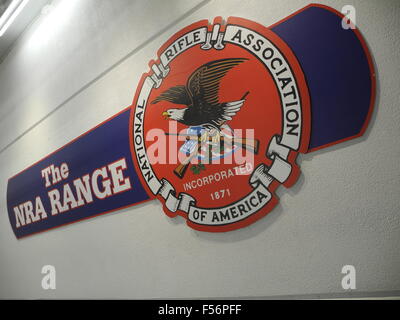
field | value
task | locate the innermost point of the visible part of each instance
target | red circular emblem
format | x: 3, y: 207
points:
x: 218, y: 121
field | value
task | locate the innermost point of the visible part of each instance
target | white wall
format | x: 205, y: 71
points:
x: 80, y: 64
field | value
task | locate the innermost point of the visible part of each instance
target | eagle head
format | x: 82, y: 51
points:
x: 174, y: 114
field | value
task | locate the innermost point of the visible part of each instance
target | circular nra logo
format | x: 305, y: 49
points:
x: 218, y: 121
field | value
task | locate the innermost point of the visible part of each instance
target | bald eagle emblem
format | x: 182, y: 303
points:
x: 205, y: 115
x: 217, y: 122
x: 200, y: 95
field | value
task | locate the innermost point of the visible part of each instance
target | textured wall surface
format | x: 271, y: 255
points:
x: 80, y: 63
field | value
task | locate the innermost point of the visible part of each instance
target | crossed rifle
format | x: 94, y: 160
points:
x: 247, y: 144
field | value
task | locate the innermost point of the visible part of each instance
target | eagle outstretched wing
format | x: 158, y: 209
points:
x: 177, y: 94
x: 204, y: 85
x: 201, y: 95
x: 204, y: 82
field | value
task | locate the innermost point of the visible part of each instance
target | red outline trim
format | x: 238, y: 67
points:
x: 50, y: 154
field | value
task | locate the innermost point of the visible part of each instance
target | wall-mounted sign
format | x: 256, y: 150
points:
x: 215, y: 126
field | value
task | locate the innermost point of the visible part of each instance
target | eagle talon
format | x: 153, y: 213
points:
x: 215, y: 135
x: 216, y: 139
x: 165, y: 115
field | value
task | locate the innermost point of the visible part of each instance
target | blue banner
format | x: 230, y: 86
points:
x: 339, y: 73
x: 92, y: 175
